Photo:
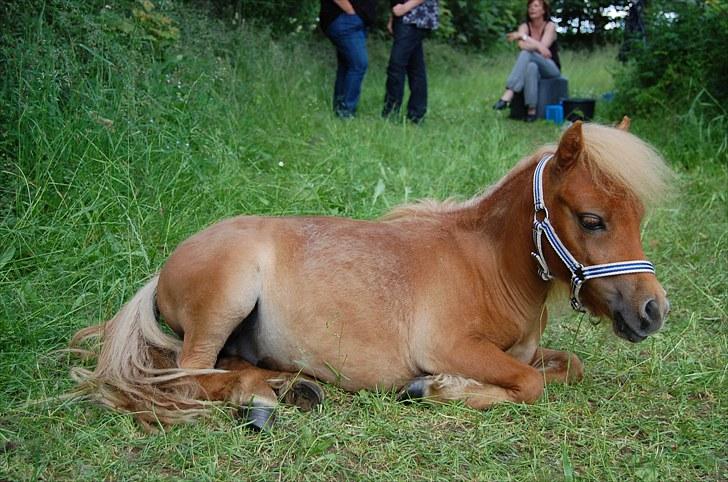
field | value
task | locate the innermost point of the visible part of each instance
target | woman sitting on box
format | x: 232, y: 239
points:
x: 539, y: 57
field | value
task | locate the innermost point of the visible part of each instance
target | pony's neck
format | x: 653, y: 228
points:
x: 505, y: 217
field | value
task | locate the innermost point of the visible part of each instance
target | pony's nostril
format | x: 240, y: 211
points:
x: 652, y: 313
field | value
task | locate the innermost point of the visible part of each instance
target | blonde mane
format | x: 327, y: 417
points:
x: 628, y: 161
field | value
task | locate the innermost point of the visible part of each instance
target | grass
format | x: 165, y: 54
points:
x: 115, y: 148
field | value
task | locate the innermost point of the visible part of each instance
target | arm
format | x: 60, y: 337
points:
x: 402, y: 8
x: 542, y: 47
x: 549, y: 35
x: 518, y: 33
x: 346, y: 6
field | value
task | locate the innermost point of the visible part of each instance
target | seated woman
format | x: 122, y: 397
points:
x: 539, y: 57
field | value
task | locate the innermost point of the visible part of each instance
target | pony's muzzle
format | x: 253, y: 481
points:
x: 636, y: 325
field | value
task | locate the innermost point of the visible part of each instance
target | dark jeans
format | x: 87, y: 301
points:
x: 407, y: 59
x: 347, y: 33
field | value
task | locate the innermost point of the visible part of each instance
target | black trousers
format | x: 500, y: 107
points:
x: 407, y: 59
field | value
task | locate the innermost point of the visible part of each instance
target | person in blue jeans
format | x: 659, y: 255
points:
x: 344, y: 22
x: 409, y: 23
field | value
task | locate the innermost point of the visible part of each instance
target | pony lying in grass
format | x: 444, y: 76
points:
x: 442, y: 301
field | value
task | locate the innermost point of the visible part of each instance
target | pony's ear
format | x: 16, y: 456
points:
x: 570, y: 146
x: 624, y: 124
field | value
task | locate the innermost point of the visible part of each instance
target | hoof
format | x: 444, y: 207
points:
x: 258, y: 418
x: 304, y: 394
x: 414, y: 390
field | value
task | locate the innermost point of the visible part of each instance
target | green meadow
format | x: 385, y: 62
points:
x: 117, y: 144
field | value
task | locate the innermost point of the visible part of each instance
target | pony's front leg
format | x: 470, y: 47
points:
x: 481, y: 375
x: 558, y: 366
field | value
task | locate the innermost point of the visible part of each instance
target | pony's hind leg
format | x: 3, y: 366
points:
x: 257, y: 391
x: 255, y: 398
x: 290, y: 388
x: 245, y: 388
x: 204, y: 302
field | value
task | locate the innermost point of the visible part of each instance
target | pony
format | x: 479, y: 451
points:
x: 443, y: 301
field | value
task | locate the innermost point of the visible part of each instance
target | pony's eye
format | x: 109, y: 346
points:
x: 592, y: 222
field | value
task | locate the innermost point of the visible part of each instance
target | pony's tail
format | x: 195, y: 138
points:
x: 136, y: 369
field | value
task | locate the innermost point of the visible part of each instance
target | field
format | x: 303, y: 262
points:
x: 116, y: 147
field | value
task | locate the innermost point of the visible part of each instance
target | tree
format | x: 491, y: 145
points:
x: 634, y: 29
x: 586, y: 21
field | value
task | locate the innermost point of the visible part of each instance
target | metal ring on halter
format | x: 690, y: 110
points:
x: 538, y: 211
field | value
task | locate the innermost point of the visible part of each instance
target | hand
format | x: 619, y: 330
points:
x: 389, y: 25
x: 513, y: 36
x: 545, y: 52
x: 399, y: 10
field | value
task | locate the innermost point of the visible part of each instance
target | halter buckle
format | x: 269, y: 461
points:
x: 543, y: 268
x: 576, y: 281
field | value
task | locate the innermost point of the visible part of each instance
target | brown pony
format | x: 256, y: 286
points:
x: 441, y: 300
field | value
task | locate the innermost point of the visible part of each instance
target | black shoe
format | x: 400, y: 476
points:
x: 415, y: 120
x: 500, y: 105
x: 530, y: 118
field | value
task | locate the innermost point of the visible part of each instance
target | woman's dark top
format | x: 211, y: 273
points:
x: 554, y: 48
x: 366, y: 9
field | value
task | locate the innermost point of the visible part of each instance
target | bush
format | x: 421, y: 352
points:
x: 679, y: 67
x: 588, y: 23
x: 482, y: 23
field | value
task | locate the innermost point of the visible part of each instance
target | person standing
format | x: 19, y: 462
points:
x: 344, y: 22
x: 539, y: 57
x: 409, y: 22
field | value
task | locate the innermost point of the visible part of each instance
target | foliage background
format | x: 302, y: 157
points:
x: 678, y: 63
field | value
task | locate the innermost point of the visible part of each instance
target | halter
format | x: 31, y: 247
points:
x: 579, y: 273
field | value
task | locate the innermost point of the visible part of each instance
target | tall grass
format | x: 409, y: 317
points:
x: 116, y: 148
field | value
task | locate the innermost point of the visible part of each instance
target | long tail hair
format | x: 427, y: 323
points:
x: 137, y: 366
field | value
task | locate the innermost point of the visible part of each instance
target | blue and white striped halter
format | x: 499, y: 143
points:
x: 579, y: 273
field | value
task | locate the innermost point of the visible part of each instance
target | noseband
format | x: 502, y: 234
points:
x: 579, y: 273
